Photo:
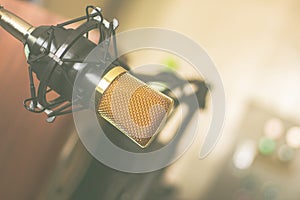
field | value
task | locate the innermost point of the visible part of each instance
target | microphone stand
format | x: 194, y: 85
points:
x: 16, y: 26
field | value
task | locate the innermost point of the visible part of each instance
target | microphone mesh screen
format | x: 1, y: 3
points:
x: 134, y: 108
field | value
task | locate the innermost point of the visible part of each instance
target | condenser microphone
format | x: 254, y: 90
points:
x: 55, y: 54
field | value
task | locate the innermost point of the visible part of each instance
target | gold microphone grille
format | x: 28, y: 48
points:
x: 134, y: 108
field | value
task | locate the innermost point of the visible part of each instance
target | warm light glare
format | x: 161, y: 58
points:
x: 293, y: 137
x: 273, y: 128
x: 244, y: 155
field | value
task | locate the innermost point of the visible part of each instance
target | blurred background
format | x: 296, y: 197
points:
x: 256, y: 48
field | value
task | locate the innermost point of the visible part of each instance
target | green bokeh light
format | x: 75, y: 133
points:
x: 266, y: 146
x: 171, y: 64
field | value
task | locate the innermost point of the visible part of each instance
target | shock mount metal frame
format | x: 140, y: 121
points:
x: 38, y: 102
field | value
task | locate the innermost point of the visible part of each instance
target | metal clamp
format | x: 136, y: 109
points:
x: 106, y: 23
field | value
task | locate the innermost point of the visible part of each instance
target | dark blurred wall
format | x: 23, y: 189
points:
x: 28, y: 145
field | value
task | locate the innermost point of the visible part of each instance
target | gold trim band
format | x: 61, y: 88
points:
x: 109, y: 77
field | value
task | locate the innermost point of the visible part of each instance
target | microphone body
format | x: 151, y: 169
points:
x: 57, y: 54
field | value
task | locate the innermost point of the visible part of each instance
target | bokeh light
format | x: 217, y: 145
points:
x: 274, y: 128
x: 293, y: 137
